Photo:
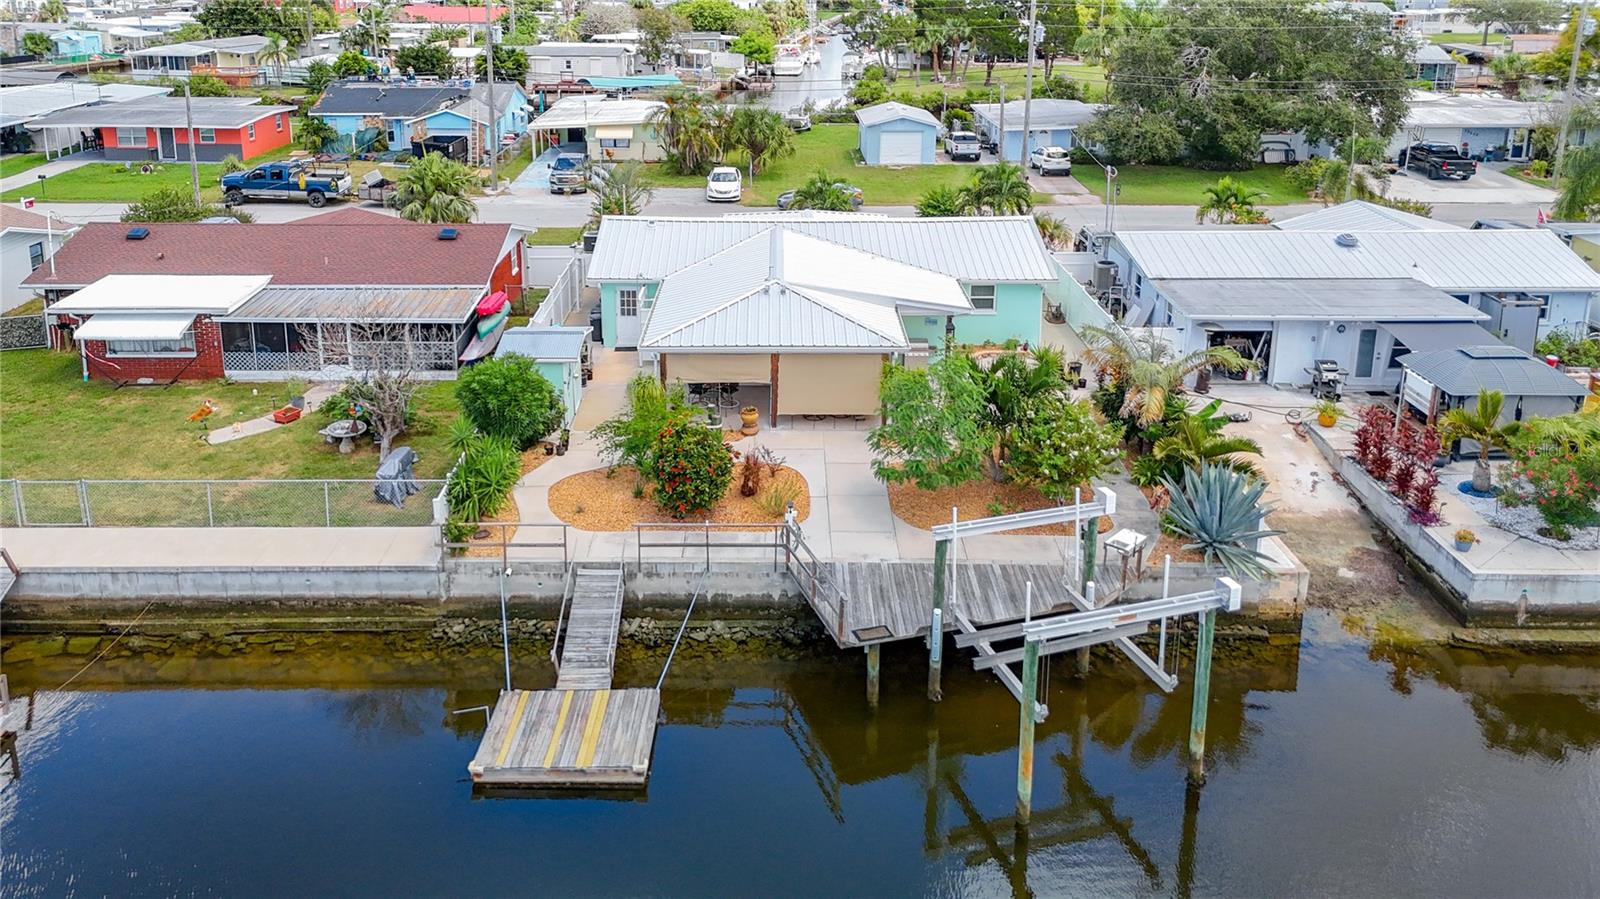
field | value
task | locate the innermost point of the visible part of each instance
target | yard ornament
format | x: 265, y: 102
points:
x: 206, y: 408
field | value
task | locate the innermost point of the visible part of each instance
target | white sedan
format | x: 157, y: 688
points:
x: 724, y: 185
x: 1050, y: 161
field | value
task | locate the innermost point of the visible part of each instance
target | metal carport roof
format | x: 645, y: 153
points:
x: 1421, y: 338
x: 1315, y: 299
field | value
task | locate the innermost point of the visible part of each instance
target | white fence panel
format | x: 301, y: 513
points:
x: 541, y: 266
x: 566, y: 292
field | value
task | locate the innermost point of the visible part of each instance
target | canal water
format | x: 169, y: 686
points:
x: 1338, y: 767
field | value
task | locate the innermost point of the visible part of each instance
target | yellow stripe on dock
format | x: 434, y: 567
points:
x: 511, y: 732
x: 591, y: 728
x: 561, y: 724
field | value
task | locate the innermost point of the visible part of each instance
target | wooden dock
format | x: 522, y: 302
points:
x: 889, y: 601
x: 582, y: 733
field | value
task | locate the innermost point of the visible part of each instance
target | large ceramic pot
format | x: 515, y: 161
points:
x: 750, y: 418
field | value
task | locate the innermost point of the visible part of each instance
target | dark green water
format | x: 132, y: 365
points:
x: 1336, y: 769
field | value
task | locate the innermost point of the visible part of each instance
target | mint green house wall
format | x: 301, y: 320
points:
x: 1018, y: 310
x: 608, y: 306
x: 567, y: 377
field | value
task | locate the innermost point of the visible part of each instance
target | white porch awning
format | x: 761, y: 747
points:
x: 111, y: 326
x: 613, y: 132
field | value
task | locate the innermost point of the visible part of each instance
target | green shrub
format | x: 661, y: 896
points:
x: 690, y: 467
x: 774, y: 499
x: 628, y: 437
x: 1563, y: 484
x: 507, y: 397
x: 1581, y: 353
x: 480, y: 484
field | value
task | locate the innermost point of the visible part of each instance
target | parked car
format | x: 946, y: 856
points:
x: 960, y: 145
x: 568, y: 175
x: 797, y: 119
x: 1050, y: 161
x: 724, y: 184
x: 856, y: 199
x: 293, y: 180
x: 1439, y: 161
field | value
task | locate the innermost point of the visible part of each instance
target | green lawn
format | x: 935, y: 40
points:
x: 1170, y: 185
x: 1515, y: 171
x: 1466, y: 37
x: 111, y: 183
x: 1014, y: 77
x: 57, y: 426
x: 516, y: 164
x: 19, y: 162
x: 555, y: 237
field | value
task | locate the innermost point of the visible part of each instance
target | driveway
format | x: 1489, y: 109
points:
x: 1487, y: 186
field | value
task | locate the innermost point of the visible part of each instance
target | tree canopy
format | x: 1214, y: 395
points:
x: 1220, y: 74
x: 425, y: 59
x: 232, y: 18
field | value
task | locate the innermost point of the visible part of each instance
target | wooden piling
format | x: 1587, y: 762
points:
x: 1030, y: 689
x: 1202, y: 695
x: 872, y: 674
x: 941, y: 551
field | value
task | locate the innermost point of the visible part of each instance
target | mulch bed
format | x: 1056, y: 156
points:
x: 488, y: 546
x: 603, y: 500
x: 926, y: 508
x: 1166, y: 543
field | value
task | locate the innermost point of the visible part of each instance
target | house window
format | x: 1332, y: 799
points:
x: 982, y: 296
x: 1463, y: 297
x: 1396, y: 353
x: 1544, y: 306
x: 208, y: 135
x: 250, y: 130
x: 616, y: 143
x: 566, y: 64
x: 1138, y: 284
x: 182, y: 346
x: 132, y: 137
x: 36, y: 254
x: 628, y: 302
x: 277, y: 120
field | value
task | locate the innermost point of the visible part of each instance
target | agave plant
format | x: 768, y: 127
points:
x: 1220, y: 511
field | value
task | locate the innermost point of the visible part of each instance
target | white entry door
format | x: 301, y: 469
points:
x: 628, y: 320
x: 900, y: 148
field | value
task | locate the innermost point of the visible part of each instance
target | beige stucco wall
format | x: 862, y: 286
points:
x: 828, y: 383
x: 751, y: 368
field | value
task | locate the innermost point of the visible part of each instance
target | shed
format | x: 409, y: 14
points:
x: 897, y: 134
x: 1436, y: 381
x: 560, y: 354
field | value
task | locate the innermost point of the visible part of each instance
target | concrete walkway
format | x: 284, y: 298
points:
x: 53, y: 167
x: 79, y: 548
x: 240, y: 429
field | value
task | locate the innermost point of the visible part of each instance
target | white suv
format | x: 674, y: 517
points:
x: 724, y: 184
x: 1050, y: 161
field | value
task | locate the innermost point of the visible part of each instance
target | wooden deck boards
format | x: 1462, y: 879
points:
x: 890, y: 601
x: 589, y: 643
x: 568, y: 738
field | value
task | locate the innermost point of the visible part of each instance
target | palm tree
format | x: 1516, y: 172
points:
x: 1580, y: 184
x: 1194, y: 443
x: 685, y: 125
x: 761, y: 134
x: 373, y: 19
x: 1511, y: 70
x: 1220, y: 511
x: 1000, y: 189
x: 274, y: 53
x: 52, y: 11
x: 944, y: 201
x: 445, y: 34
x: 1481, y: 424
x: 1056, y: 234
x: 1230, y: 202
x: 626, y: 191
x: 434, y: 189
x: 316, y: 134
x: 1147, y: 369
x: 821, y: 191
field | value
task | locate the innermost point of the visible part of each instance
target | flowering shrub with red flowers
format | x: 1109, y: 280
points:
x: 690, y: 467
x: 1562, y: 484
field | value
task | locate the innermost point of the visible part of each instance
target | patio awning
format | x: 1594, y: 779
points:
x: 613, y: 132
x: 1422, y: 337
x: 111, y: 326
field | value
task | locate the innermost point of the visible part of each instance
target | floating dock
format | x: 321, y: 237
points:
x: 583, y: 733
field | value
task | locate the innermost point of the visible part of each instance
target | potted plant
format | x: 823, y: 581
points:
x: 1328, y: 412
x: 297, y: 392
x: 561, y: 445
x: 1464, y: 540
x: 750, y: 418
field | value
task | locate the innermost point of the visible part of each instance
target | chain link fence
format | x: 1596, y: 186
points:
x: 199, y: 504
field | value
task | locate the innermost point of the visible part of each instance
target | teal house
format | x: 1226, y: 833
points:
x: 811, y: 305
x: 558, y: 353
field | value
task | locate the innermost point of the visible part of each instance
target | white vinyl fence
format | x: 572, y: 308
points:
x: 566, y: 292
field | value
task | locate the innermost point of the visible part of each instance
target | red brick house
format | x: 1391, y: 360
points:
x: 163, y: 302
x: 158, y: 128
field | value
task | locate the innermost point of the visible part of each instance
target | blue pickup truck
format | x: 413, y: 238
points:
x: 315, y: 183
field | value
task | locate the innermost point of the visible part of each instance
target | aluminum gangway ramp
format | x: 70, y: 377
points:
x: 583, y: 733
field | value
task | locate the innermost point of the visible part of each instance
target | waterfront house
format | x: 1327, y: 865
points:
x: 1431, y: 63
x: 1362, y: 298
x: 809, y: 306
x: 895, y: 133
x: 157, y: 129
x: 342, y: 285
x: 233, y: 59
x: 611, y: 130
x: 421, y: 115
x: 27, y: 241
x: 1053, y: 123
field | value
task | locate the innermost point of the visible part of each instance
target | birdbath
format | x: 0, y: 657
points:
x: 345, y: 430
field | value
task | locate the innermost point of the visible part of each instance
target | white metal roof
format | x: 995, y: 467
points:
x: 125, y: 326
x: 1522, y: 260
x: 782, y: 290
x: 987, y: 249
x: 1434, y: 110
x: 29, y: 101
x: 208, y: 294
x: 1425, y: 52
x: 1360, y: 215
x: 585, y: 111
x: 1045, y: 115
x: 550, y: 343
x: 893, y: 111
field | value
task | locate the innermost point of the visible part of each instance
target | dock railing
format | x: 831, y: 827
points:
x: 504, y: 536
x: 816, y: 584
x: 704, y: 537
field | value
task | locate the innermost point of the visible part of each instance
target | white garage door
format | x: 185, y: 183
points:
x: 900, y: 148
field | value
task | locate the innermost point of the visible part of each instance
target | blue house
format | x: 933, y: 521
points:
x: 1053, y: 123
x: 429, y: 114
x: 897, y: 134
x: 77, y: 43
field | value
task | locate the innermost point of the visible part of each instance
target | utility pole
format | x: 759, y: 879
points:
x: 1350, y: 176
x: 188, y: 122
x: 1579, y: 29
x: 493, y: 116
x: 1000, y: 145
x: 1027, y: 84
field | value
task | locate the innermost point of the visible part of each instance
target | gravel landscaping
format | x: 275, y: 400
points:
x: 1525, y: 521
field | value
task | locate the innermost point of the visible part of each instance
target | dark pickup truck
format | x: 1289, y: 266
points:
x: 1440, y: 161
